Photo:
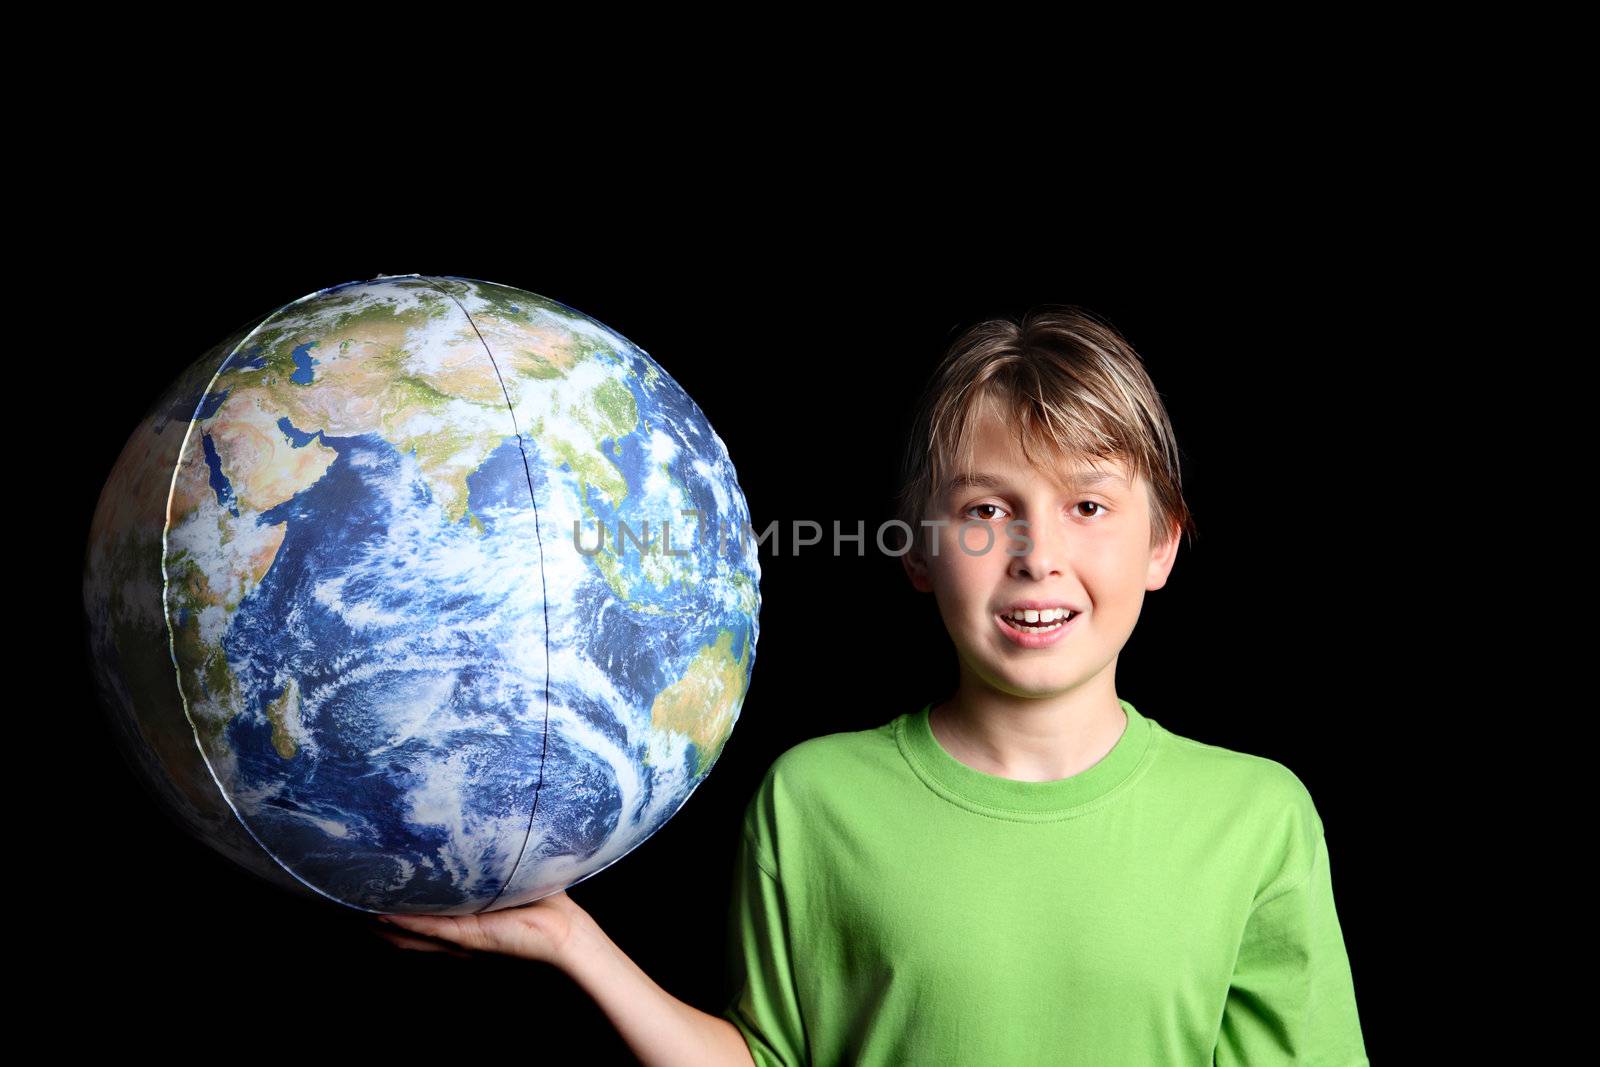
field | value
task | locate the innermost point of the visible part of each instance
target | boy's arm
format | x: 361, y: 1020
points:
x: 1292, y: 999
x: 659, y: 1028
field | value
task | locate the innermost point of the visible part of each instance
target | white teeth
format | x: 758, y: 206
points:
x: 1049, y: 615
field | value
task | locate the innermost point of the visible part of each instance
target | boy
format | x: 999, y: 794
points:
x: 1030, y: 871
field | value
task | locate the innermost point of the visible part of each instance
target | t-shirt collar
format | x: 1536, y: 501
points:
x: 974, y: 789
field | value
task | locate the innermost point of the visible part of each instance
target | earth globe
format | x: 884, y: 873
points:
x: 423, y: 594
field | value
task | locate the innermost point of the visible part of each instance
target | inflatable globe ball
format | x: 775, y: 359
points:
x: 423, y: 594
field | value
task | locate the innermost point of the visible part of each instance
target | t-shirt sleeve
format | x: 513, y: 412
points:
x: 765, y: 1007
x: 1292, y: 998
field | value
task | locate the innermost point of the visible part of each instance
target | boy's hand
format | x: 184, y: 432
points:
x: 537, y: 931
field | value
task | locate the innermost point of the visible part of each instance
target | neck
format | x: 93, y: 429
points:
x: 1030, y: 739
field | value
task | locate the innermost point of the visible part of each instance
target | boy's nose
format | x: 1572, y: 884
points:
x: 1036, y: 552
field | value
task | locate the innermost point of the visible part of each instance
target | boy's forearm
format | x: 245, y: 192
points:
x: 661, y: 1030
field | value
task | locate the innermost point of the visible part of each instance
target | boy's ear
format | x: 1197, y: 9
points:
x: 916, y: 566
x: 1162, y: 557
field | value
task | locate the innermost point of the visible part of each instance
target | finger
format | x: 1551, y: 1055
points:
x: 416, y: 944
x: 431, y: 925
x: 423, y: 944
x: 418, y: 940
x: 447, y: 928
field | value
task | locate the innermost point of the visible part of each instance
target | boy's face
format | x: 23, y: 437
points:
x: 1090, y: 551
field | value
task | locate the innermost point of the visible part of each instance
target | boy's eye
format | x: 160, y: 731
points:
x: 1101, y: 509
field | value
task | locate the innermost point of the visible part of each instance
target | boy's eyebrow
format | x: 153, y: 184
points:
x: 981, y: 480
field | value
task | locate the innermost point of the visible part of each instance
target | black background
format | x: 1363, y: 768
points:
x: 803, y: 333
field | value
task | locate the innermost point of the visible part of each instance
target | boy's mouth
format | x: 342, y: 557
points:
x: 1043, y: 622
x: 1041, y: 633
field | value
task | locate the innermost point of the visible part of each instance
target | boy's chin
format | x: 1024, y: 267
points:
x: 1039, y: 680
x: 1034, y: 685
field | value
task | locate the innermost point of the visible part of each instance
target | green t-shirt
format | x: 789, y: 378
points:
x: 1170, y: 905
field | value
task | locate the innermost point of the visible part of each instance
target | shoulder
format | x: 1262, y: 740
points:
x: 1266, y: 784
x: 815, y: 776
x: 820, y: 760
x: 1255, y: 796
x: 818, y: 765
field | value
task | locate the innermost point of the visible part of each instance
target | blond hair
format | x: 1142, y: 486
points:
x: 1065, y: 377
